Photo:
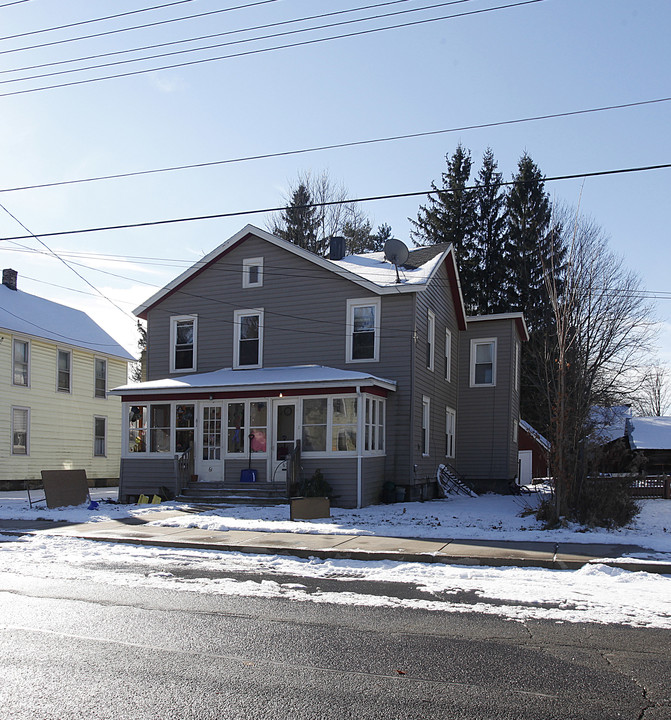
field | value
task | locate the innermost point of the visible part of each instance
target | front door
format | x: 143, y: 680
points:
x: 284, y: 437
x: 208, y: 462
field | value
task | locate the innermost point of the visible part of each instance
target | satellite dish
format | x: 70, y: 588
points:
x: 396, y: 252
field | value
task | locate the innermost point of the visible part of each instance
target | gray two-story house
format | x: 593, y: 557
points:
x: 380, y: 375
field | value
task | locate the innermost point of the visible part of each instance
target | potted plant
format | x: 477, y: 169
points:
x: 313, y: 501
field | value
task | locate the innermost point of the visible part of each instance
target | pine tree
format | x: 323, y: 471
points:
x: 490, y: 239
x: 298, y: 223
x: 450, y: 217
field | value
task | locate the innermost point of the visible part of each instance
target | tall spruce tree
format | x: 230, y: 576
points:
x: 299, y: 223
x: 449, y: 217
x: 490, y: 239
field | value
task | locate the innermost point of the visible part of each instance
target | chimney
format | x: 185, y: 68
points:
x: 9, y: 278
x: 337, y: 246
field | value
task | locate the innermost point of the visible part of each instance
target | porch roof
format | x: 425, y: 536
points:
x: 268, y: 379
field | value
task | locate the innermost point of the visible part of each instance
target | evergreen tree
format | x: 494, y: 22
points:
x: 450, y: 217
x: 299, y: 223
x: 490, y: 239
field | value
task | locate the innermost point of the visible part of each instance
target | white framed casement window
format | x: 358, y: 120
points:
x: 64, y: 371
x: 450, y: 426
x: 99, y: 436
x: 483, y: 362
x: 374, y: 417
x: 248, y: 342
x: 252, y: 272
x: 363, y: 330
x: 430, y: 339
x: 448, y: 355
x: 329, y: 425
x: 21, y: 363
x: 426, y: 425
x: 20, y: 431
x: 183, y: 342
x: 100, y: 378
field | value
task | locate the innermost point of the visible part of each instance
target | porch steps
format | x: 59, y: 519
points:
x: 219, y: 493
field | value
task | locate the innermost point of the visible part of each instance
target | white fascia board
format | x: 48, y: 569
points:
x: 501, y: 316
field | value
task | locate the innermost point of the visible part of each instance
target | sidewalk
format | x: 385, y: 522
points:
x: 565, y: 556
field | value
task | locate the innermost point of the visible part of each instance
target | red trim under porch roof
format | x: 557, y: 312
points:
x: 261, y: 393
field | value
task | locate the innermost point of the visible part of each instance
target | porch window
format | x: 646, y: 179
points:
x: 184, y: 427
x: 64, y: 372
x: 137, y: 429
x: 483, y: 362
x: 100, y: 378
x: 363, y: 330
x: 374, y: 424
x: 344, y: 425
x: 258, y: 422
x: 159, y: 428
x: 21, y: 357
x: 236, y: 428
x: 20, y: 431
x: 450, y: 423
x: 248, y: 338
x: 430, y: 338
x: 315, y: 418
x: 99, y: 436
x: 183, y: 335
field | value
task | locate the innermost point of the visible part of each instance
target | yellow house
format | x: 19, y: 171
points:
x: 56, y: 366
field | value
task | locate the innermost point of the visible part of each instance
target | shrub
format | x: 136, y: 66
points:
x: 606, y: 502
x: 316, y: 486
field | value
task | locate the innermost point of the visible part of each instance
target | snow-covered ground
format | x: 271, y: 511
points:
x: 595, y: 593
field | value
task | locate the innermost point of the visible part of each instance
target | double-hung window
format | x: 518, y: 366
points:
x: 64, y: 382
x: 329, y: 425
x: 100, y: 379
x: 448, y: 355
x: 20, y: 431
x: 363, y: 330
x: 483, y: 362
x: 21, y: 363
x: 248, y: 351
x: 374, y: 425
x: 450, y: 425
x: 430, y: 338
x: 183, y: 337
x: 99, y: 436
x: 426, y: 424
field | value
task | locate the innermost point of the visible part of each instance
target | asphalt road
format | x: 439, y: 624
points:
x: 93, y: 652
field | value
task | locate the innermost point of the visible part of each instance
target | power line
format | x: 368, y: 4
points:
x: 373, y: 198
x: 340, y: 146
x: 302, y: 43
x: 15, y: 2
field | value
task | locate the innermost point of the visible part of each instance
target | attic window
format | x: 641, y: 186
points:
x: 252, y: 272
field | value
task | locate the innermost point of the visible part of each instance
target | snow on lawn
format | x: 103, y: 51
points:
x: 495, y: 517
x: 594, y: 594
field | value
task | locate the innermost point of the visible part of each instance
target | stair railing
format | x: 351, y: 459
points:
x: 293, y: 461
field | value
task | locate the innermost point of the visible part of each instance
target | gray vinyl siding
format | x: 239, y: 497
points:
x: 374, y: 476
x: 147, y: 476
x: 339, y: 473
x: 485, y: 415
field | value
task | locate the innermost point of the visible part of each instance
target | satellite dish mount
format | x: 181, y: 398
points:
x: 396, y: 252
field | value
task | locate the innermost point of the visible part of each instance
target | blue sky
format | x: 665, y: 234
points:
x: 539, y: 58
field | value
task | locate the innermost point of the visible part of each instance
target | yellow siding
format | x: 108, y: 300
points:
x: 61, y: 424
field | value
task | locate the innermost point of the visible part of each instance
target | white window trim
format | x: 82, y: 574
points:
x: 431, y: 339
x: 330, y: 452
x: 246, y: 428
x: 70, y: 371
x: 248, y: 263
x: 349, y: 328
x: 448, y: 355
x: 483, y: 341
x: 380, y: 424
x: 11, y: 442
x: 516, y: 367
x: 236, y: 338
x: 451, y: 413
x: 96, y: 360
x: 174, y: 319
x: 99, y: 417
x: 30, y: 357
x: 426, y: 425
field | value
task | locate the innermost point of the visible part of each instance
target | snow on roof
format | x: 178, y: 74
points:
x: 649, y: 433
x: 374, y: 268
x: 535, y: 434
x: 281, y: 376
x: 31, y: 315
x: 609, y: 422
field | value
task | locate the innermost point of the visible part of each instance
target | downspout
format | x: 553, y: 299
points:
x: 360, y: 444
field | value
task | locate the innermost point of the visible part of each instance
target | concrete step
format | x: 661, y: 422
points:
x: 241, y: 493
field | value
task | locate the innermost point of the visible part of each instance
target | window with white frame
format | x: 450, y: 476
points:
x: 315, y: 424
x: 448, y: 355
x: 185, y: 427
x: 100, y: 379
x: 183, y: 342
x: 20, y: 431
x: 323, y: 418
x: 99, y: 436
x: 344, y: 424
x: 516, y: 367
x: 430, y: 338
x: 21, y: 363
x: 137, y: 428
x: 450, y: 425
x: 426, y: 424
x: 64, y: 382
x: 252, y: 272
x: 483, y: 362
x: 363, y: 330
x: 374, y: 424
x: 247, y: 427
x: 248, y: 347
x: 159, y: 428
